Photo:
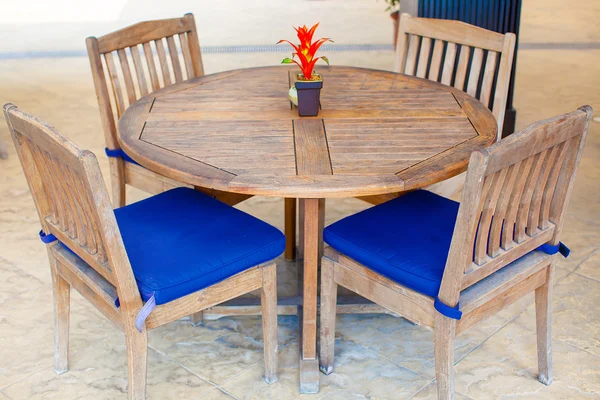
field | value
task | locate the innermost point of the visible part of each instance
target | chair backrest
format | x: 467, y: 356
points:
x: 71, y: 199
x: 515, y: 196
x: 469, y: 58
x: 136, y: 73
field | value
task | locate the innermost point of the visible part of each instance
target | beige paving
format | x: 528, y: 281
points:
x: 378, y: 356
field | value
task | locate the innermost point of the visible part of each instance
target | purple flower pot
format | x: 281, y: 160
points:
x: 309, y: 94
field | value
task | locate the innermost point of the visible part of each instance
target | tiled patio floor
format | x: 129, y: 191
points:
x: 378, y: 356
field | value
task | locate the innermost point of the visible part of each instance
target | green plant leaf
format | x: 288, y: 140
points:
x: 325, y: 59
x: 287, y: 61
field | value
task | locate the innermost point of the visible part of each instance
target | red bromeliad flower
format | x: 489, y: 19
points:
x: 306, y: 50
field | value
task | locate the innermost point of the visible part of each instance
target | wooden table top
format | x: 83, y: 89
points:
x: 377, y: 132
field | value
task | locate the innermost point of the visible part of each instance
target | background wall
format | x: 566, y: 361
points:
x: 60, y: 25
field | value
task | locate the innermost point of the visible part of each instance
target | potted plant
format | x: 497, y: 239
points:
x: 308, y: 84
x: 394, y: 7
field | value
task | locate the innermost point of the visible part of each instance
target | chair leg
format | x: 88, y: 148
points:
x: 137, y: 356
x: 62, y: 294
x: 328, y: 313
x: 117, y: 171
x: 197, y: 318
x: 444, y: 333
x: 543, y: 317
x: 290, y: 229
x: 3, y: 151
x: 268, y: 301
x: 300, y: 252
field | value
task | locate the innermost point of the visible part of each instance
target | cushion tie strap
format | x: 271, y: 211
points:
x: 144, y: 313
x: 450, y: 312
x: 553, y: 249
x: 119, y: 153
x: 47, y: 238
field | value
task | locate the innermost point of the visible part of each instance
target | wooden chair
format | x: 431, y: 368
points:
x: 469, y: 58
x: 111, y: 58
x: 143, y: 251
x: 454, y: 53
x: 449, y: 266
x: 126, y: 58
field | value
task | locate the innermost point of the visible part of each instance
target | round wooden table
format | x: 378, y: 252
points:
x: 377, y: 132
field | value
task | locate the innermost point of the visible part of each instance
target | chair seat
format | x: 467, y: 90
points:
x: 182, y: 240
x: 406, y: 239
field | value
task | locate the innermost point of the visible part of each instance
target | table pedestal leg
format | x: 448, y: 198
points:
x: 309, y: 365
x: 290, y: 229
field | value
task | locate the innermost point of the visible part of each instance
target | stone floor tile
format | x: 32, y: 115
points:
x: 430, y: 392
x: 591, y: 266
x: 221, y: 349
x: 100, y: 372
x: 27, y: 331
x: 575, y: 313
x: 505, y: 367
x: 358, y: 374
x: 408, y: 345
x: 216, y: 394
x: 582, y: 237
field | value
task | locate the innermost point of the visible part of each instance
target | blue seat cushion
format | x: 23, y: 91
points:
x: 119, y: 153
x: 183, y: 240
x: 406, y: 239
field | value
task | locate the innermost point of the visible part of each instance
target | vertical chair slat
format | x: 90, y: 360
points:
x: 401, y: 51
x: 449, y: 60
x: 513, y: 205
x: 64, y: 196
x: 194, y: 41
x: 151, y: 66
x: 52, y: 186
x: 411, y: 59
x: 81, y: 217
x: 174, y: 54
x: 139, y: 70
x: 26, y: 155
x: 475, y: 72
x: 436, y: 60
x: 525, y: 201
x: 533, y: 217
x: 424, y: 57
x: 503, y: 80
x: 564, y: 185
x: 116, y: 85
x: 551, y: 185
x: 461, y: 69
x: 49, y: 189
x: 501, y: 208
x: 187, y: 56
x: 488, y: 78
x: 91, y: 243
x: 164, y: 64
x: 481, y: 241
x: 127, y: 77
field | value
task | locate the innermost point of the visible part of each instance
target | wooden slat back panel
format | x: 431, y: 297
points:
x: 137, y: 60
x: 457, y: 54
x: 515, y: 197
x: 70, y: 197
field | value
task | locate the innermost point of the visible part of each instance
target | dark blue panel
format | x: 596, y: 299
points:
x: 496, y: 15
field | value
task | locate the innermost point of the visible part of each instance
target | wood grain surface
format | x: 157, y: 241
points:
x: 377, y: 132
